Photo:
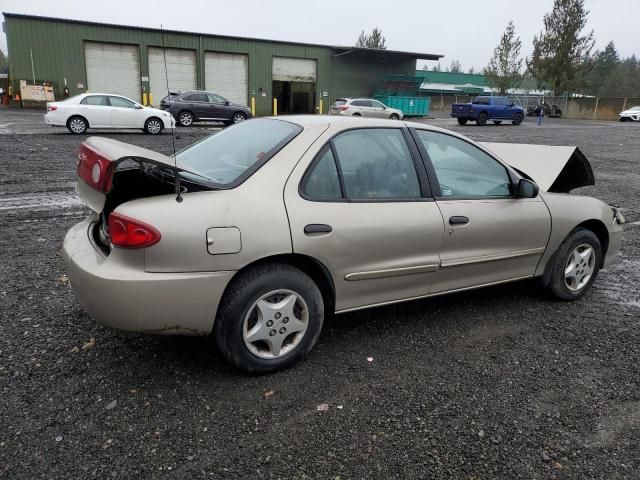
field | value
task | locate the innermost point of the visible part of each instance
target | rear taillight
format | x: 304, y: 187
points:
x: 95, y: 168
x: 51, y: 108
x: 127, y: 232
x: 343, y: 107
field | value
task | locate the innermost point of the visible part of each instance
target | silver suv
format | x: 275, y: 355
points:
x: 364, y: 107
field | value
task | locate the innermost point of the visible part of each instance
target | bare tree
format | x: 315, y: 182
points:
x: 504, y: 69
x: 456, y: 67
x: 374, y: 40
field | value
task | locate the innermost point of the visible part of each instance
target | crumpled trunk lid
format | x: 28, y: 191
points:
x: 556, y: 169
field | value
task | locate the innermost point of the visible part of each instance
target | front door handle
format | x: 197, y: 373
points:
x: 317, y: 228
x: 458, y: 220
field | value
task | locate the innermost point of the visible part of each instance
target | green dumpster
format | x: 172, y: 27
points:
x: 410, y: 106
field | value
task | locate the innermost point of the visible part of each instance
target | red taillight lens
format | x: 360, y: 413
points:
x: 95, y: 168
x: 130, y: 233
x: 343, y: 107
x: 51, y: 108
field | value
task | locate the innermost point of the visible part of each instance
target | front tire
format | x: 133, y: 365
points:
x: 394, y: 116
x: 462, y: 121
x: 518, y: 118
x: 482, y: 119
x: 238, y: 117
x: 575, y: 265
x: 269, y: 319
x: 77, y: 125
x: 153, y: 126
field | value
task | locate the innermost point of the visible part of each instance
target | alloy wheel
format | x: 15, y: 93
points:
x: 186, y: 119
x: 154, y: 127
x: 77, y: 125
x: 238, y: 117
x: 579, y: 267
x: 275, y: 324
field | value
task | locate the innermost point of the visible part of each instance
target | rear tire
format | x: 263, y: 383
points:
x: 250, y: 326
x: 462, y: 121
x: 482, y: 119
x: 153, y: 126
x: 394, y: 116
x: 574, y: 267
x: 356, y: 115
x: 77, y: 125
x: 518, y: 118
x: 186, y: 118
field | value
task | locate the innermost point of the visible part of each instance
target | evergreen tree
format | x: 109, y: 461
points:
x: 456, y: 67
x: 504, y: 69
x: 561, y: 54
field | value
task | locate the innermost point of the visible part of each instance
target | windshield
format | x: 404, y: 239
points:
x: 229, y: 157
x: 635, y: 109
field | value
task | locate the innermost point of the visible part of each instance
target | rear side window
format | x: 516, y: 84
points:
x: 361, y: 103
x: 322, y: 181
x: 227, y: 158
x: 370, y: 163
x: 100, y: 100
x: 196, y: 97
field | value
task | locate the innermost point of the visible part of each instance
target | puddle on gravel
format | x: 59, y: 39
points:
x: 39, y: 201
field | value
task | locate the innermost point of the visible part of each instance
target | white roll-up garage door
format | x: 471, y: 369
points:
x: 226, y: 75
x: 181, y: 69
x: 294, y: 70
x: 113, y: 68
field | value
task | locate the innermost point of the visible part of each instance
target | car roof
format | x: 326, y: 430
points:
x: 306, y: 121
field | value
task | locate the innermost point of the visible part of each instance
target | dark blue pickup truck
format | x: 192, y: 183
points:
x: 482, y: 109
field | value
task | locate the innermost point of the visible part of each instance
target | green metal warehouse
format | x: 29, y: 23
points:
x: 86, y: 56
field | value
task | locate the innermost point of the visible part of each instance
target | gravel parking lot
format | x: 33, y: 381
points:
x: 495, y: 383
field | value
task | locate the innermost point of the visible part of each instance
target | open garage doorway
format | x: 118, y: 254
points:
x: 294, y: 84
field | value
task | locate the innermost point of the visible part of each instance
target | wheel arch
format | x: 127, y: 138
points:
x: 594, y: 225
x: 315, y: 269
x: 78, y: 116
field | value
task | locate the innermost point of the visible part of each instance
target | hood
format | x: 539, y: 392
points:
x: 630, y: 112
x: 554, y: 169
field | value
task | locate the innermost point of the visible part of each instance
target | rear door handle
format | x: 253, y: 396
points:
x: 458, y: 220
x: 317, y: 228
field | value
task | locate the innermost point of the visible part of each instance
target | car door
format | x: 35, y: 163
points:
x: 359, y: 203
x: 124, y: 113
x: 490, y: 235
x: 97, y: 110
x: 359, y: 108
x: 218, y: 109
x: 378, y: 110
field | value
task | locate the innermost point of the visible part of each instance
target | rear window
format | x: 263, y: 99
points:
x: 231, y: 156
x: 339, y: 102
x: 481, y: 100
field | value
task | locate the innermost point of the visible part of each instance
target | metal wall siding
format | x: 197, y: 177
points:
x: 58, y: 52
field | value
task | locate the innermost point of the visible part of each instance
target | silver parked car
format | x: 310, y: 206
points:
x: 364, y: 107
x: 281, y: 222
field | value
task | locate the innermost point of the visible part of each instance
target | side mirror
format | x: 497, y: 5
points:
x: 527, y: 188
x: 227, y: 102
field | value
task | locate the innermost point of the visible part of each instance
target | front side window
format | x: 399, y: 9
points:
x: 227, y: 157
x: 215, y: 98
x: 376, y: 104
x: 95, y: 100
x: 121, y: 102
x: 463, y: 170
x: 372, y: 164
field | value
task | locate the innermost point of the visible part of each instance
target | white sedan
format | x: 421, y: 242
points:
x: 632, y: 113
x: 105, y: 110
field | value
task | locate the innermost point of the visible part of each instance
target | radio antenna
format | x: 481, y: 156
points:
x: 176, y: 174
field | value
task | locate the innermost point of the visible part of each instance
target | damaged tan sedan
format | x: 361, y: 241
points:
x: 258, y: 232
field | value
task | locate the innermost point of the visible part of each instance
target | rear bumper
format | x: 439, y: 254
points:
x: 118, y: 293
x: 50, y: 118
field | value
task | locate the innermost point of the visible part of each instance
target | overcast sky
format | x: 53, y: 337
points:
x: 464, y: 30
